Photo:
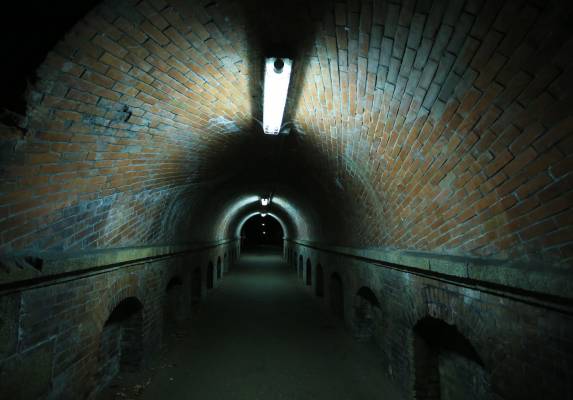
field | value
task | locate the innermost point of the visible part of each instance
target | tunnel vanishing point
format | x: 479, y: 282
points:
x: 422, y: 180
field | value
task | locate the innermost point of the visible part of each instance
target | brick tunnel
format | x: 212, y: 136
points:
x: 418, y: 241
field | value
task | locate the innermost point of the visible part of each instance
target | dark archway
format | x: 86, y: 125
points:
x: 260, y: 232
x: 210, y: 275
x: 174, y: 306
x: 300, y: 266
x: 219, y: 272
x: 196, y: 286
x: 121, y: 341
x: 337, y: 295
x: 308, y: 272
x: 319, y: 288
x: 446, y: 364
x: 366, y: 314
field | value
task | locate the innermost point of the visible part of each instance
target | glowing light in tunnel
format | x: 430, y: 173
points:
x: 265, y: 201
x: 277, y: 76
x: 263, y: 214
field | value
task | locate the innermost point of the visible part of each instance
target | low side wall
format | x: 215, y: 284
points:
x: 522, y: 339
x: 53, y: 309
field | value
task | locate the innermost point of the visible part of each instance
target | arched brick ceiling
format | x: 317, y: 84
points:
x: 440, y: 126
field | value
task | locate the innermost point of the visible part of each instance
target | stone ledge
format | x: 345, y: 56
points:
x: 532, y: 277
x: 16, y: 268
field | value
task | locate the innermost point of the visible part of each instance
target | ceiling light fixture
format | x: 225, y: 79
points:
x: 265, y: 201
x: 277, y: 77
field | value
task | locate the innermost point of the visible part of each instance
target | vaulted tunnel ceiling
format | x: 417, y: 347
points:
x: 441, y: 126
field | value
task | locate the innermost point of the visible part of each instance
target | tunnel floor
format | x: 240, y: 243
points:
x: 263, y: 335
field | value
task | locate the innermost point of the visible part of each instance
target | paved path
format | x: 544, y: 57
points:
x: 263, y: 335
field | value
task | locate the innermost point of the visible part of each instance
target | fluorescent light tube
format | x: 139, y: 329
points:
x: 277, y: 77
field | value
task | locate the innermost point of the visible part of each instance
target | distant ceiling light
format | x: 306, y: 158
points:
x: 277, y: 76
x: 263, y: 215
x: 264, y: 233
x: 263, y: 224
x: 265, y: 201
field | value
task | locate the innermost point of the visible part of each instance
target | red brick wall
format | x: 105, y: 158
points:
x: 451, y: 125
x: 121, y: 121
x: 440, y: 126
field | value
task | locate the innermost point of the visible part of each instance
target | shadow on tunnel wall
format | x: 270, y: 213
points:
x: 38, y: 27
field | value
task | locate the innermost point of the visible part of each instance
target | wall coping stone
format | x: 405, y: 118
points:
x: 31, y: 268
x: 542, y: 280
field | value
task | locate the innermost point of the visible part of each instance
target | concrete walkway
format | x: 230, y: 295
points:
x: 263, y: 335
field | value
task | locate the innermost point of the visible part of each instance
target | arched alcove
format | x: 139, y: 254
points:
x: 219, y: 269
x: 210, y: 275
x: 121, y: 342
x: 196, y: 286
x: 300, y: 266
x: 366, y: 314
x: 337, y: 295
x: 308, y: 272
x: 319, y: 287
x: 174, y: 306
x: 446, y: 365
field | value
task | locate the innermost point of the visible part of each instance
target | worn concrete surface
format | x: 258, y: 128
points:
x: 262, y: 335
